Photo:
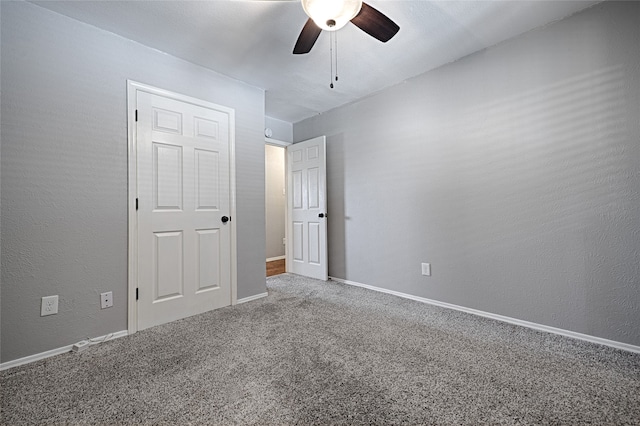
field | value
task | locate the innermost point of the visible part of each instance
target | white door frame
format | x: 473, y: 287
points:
x: 283, y: 145
x: 277, y: 142
x: 132, y: 89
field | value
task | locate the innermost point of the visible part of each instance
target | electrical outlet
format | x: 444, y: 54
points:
x: 106, y: 300
x: 49, y: 306
x: 426, y: 269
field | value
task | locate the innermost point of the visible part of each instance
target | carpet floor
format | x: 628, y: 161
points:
x: 326, y: 353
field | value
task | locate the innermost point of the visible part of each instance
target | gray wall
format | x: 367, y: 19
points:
x: 514, y: 171
x: 64, y: 173
x: 275, y: 200
x: 282, y: 130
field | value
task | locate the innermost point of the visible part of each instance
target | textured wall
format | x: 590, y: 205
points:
x: 514, y: 171
x: 275, y: 200
x: 64, y: 172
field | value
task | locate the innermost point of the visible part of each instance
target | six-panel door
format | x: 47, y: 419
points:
x: 306, y: 171
x: 183, y: 190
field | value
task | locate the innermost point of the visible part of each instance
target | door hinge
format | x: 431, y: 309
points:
x: 136, y: 204
x: 136, y: 293
x: 136, y: 115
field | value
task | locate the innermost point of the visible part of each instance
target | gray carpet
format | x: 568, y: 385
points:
x: 326, y: 353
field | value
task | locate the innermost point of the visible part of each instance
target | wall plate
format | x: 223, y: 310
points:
x: 49, y: 305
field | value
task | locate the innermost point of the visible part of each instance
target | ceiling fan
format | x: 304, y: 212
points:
x: 331, y: 15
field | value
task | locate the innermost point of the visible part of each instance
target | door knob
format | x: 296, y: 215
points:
x: 322, y: 215
x: 224, y: 219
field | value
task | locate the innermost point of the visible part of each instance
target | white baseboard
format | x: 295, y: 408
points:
x: 271, y: 259
x: 57, y: 351
x: 250, y: 298
x: 522, y: 323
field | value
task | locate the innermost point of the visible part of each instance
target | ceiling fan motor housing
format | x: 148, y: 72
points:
x: 331, y: 15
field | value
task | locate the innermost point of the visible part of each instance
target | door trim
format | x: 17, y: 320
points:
x: 132, y: 278
x: 277, y: 142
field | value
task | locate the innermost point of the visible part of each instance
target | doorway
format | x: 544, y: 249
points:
x: 181, y: 186
x: 275, y: 209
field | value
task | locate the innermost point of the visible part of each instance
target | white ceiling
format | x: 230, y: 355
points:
x: 252, y: 41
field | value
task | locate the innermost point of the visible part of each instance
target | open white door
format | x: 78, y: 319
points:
x: 307, y: 209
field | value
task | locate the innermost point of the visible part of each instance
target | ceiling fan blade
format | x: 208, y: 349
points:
x: 307, y: 37
x: 375, y: 23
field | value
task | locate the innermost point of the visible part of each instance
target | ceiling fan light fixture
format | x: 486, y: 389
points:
x: 331, y: 15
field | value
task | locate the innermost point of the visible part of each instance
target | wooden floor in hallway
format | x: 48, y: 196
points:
x: 276, y: 267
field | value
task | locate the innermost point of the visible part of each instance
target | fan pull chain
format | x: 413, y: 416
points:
x: 333, y: 44
x: 331, y: 56
x: 336, y: 42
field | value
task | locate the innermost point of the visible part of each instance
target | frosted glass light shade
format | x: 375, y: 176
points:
x: 331, y: 15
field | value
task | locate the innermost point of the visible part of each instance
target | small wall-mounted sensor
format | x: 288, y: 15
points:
x: 426, y: 269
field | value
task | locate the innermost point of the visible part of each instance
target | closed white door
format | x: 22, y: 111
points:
x: 307, y: 206
x: 183, y: 175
